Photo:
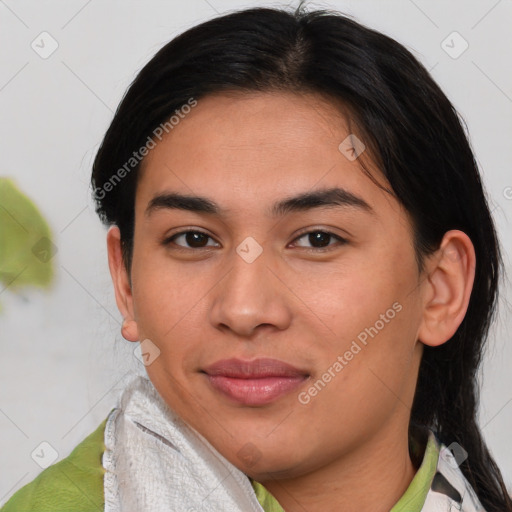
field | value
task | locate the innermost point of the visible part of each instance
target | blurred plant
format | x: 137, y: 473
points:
x: 26, y: 248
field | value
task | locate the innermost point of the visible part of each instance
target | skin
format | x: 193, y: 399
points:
x: 303, y: 307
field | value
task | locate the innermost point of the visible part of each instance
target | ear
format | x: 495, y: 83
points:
x: 122, y: 287
x: 450, y: 276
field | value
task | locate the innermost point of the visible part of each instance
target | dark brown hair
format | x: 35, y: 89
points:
x: 412, y: 129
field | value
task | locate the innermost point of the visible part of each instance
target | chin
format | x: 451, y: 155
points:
x: 267, y: 462
x: 281, y: 469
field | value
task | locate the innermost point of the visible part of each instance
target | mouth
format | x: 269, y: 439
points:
x: 257, y: 382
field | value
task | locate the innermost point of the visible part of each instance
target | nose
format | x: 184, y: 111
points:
x: 251, y: 297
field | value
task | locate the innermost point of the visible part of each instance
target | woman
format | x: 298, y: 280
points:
x: 300, y: 241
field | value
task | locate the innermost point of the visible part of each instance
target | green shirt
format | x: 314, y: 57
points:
x: 75, y: 484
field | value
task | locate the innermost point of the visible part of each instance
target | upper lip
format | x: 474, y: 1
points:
x: 257, y: 368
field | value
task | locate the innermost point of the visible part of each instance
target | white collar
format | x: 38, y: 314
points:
x: 155, y: 462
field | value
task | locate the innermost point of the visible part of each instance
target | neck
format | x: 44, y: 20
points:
x: 371, y: 478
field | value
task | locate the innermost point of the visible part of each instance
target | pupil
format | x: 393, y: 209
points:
x: 319, y: 237
x: 194, y: 239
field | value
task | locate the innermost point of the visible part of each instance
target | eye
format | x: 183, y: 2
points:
x: 194, y: 239
x: 320, y: 239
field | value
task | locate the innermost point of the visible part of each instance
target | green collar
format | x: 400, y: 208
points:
x: 416, y: 494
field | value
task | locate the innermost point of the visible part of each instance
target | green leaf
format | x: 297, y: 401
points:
x: 26, y: 247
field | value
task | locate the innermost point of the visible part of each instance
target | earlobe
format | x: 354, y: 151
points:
x: 129, y: 330
x: 450, y: 276
x: 121, y: 282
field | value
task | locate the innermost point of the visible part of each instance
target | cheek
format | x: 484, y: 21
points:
x: 158, y: 277
x: 353, y: 297
x: 164, y: 300
x: 170, y: 311
x: 363, y: 376
x: 372, y: 317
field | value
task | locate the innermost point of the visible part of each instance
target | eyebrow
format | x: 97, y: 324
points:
x: 323, y: 198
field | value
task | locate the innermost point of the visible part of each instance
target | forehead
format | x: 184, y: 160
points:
x: 252, y: 149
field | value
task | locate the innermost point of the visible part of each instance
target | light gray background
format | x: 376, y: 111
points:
x: 62, y: 356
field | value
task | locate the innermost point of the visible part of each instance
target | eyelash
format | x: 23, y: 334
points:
x: 169, y: 240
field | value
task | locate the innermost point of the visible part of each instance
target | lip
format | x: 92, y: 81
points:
x: 257, y: 382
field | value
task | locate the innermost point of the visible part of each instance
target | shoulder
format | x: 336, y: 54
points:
x: 75, y: 483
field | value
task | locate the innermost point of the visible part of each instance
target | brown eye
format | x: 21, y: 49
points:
x: 192, y: 239
x: 320, y: 239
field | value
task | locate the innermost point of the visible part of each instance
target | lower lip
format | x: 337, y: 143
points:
x: 255, y: 391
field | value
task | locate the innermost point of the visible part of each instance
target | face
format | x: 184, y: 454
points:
x: 327, y: 287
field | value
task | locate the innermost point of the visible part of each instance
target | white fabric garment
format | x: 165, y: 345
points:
x: 450, y: 491
x: 155, y: 462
